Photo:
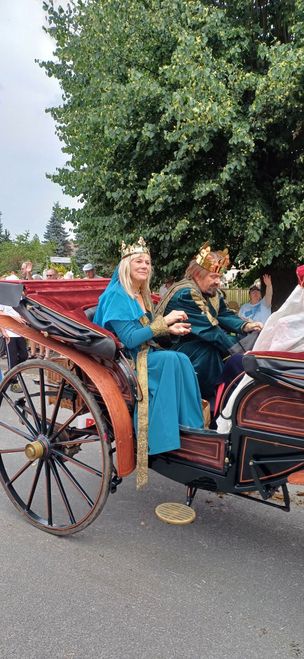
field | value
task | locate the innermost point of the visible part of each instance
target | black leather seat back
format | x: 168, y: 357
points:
x: 90, y: 313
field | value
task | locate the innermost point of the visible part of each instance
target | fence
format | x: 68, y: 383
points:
x: 237, y: 296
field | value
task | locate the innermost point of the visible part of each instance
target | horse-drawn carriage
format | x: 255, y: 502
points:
x: 67, y: 440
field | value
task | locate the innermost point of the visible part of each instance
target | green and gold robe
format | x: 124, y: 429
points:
x: 213, y: 331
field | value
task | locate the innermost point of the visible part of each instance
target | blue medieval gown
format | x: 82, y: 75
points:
x: 173, y: 391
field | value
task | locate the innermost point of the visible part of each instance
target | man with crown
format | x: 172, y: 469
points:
x: 212, y: 323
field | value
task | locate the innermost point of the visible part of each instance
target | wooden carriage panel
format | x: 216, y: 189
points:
x: 267, y: 448
x: 272, y: 408
x: 206, y: 450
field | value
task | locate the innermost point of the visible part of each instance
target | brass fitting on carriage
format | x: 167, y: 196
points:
x: 34, y: 450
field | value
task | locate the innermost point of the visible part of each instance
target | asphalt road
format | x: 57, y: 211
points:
x: 230, y: 585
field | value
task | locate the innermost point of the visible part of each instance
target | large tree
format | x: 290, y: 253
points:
x: 56, y: 233
x: 183, y: 120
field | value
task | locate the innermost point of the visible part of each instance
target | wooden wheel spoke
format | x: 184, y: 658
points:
x: 34, y: 485
x: 56, y: 408
x: 76, y: 442
x: 62, y: 492
x: 21, y: 415
x: 73, y: 480
x: 29, y: 401
x: 17, y: 431
x: 11, y: 450
x: 19, y: 472
x: 48, y: 493
x: 68, y: 422
x: 42, y: 400
x: 80, y: 464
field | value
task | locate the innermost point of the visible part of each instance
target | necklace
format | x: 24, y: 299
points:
x: 136, y: 293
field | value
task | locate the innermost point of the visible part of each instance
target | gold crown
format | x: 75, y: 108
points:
x: 137, y: 248
x: 205, y: 258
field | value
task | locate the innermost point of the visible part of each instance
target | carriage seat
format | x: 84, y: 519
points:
x: 67, y: 327
x: 90, y: 313
x: 276, y: 368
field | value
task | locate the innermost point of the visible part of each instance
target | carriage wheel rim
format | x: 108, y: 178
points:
x: 50, y: 452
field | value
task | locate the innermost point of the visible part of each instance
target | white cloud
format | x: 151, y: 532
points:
x: 29, y: 146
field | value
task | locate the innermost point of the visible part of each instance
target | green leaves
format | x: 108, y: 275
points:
x: 182, y: 121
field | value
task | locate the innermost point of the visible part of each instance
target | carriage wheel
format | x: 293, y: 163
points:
x: 55, y: 470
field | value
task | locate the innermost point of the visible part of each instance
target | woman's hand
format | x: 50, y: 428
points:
x: 179, y: 329
x: 252, y: 326
x: 175, y: 316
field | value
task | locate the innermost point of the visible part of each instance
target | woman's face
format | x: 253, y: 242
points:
x: 140, y: 268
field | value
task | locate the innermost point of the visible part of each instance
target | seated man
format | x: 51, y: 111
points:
x: 258, y: 308
x: 211, y: 320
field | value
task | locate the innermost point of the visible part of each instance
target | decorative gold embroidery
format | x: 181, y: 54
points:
x: 143, y: 419
x: 144, y: 320
x: 159, y: 326
x: 215, y: 302
x: 197, y: 297
x: 178, y: 286
x: 142, y: 412
x: 203, y: 305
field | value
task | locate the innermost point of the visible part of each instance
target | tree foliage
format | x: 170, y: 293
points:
x: 24, y: 248
x: 183, y: 120
x: 4, y: 233
x: 56, y: 233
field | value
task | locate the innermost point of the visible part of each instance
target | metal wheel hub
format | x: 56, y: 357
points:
x: 37, y: 449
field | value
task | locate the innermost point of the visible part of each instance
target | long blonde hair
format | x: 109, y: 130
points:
x: 124, y: 274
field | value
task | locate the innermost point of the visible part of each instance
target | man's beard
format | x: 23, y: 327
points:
x: 211, y: 292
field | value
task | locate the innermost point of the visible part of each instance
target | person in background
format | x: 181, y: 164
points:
x: 258, y: 308
x: 214, y: 327
x: 89, y: 271
x: 16, y: 348
x: 51, y: 273
x: 34, y: 349
x: 68, y: 275
x: 12, y: 276
x: 165, y: 286
x: 27, y: 270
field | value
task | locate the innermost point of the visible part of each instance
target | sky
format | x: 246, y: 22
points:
x: 29, y: 147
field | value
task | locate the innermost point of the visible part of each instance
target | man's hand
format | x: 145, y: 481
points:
x: 252, y: 326
x: 179, y: 329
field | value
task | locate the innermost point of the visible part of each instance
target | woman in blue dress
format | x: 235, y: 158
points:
x: 170, y: 391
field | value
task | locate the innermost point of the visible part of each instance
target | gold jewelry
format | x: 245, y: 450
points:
x: 137, y: 248
x: 206, y: 259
